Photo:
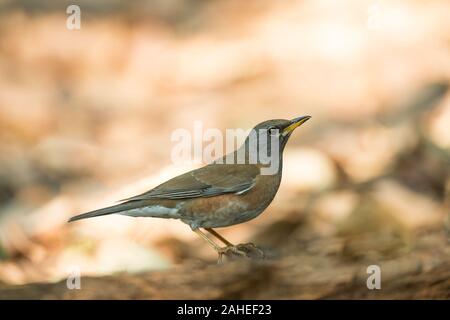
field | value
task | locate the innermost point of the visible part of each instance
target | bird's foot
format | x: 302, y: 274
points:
x: 231, y: 252
x: 242, y: 250
x: 251, y: 251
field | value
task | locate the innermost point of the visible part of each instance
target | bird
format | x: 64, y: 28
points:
x: 220, y: 194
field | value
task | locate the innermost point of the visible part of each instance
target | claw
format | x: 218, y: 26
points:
x: 232, y: 250
x: 245, y: 250
x: 251, y: 250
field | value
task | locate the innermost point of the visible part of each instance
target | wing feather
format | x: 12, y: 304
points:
x: 209, y: 181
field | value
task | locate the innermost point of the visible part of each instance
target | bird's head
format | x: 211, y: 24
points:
x: 265, y: 143
x: 277, y: 130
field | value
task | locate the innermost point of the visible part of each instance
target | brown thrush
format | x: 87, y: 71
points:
x: 220, y: 194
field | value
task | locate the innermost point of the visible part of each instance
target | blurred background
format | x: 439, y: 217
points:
x: 86, y: 118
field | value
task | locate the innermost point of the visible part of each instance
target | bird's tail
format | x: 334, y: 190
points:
x: 104, y: 211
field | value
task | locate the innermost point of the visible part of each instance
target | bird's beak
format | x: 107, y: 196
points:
x: 294, y: 124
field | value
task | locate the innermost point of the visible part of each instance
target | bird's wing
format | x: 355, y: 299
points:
x: 209, y: 181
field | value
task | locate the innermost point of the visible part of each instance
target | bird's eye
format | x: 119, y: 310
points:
x: 273, y: 131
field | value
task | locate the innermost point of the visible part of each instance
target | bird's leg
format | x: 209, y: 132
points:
x: 205, y: 237
x: 218, y: 236
x: 220, y: 251
x: 245, y: 249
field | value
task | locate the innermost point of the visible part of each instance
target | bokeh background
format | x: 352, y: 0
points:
x: 86, y: 118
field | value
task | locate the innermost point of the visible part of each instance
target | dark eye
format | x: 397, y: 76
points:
x: 273, y: 131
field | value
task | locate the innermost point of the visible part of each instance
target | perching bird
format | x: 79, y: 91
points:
x: 220, y: 194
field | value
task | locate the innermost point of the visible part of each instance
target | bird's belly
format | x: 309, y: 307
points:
x: 224, y: 218
x: 152, y: 211
x: 223, y: 211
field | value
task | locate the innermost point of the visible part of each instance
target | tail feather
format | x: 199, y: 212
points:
x: 104, y: 211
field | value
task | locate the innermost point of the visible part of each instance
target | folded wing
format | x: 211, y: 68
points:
x: 209, y: 181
